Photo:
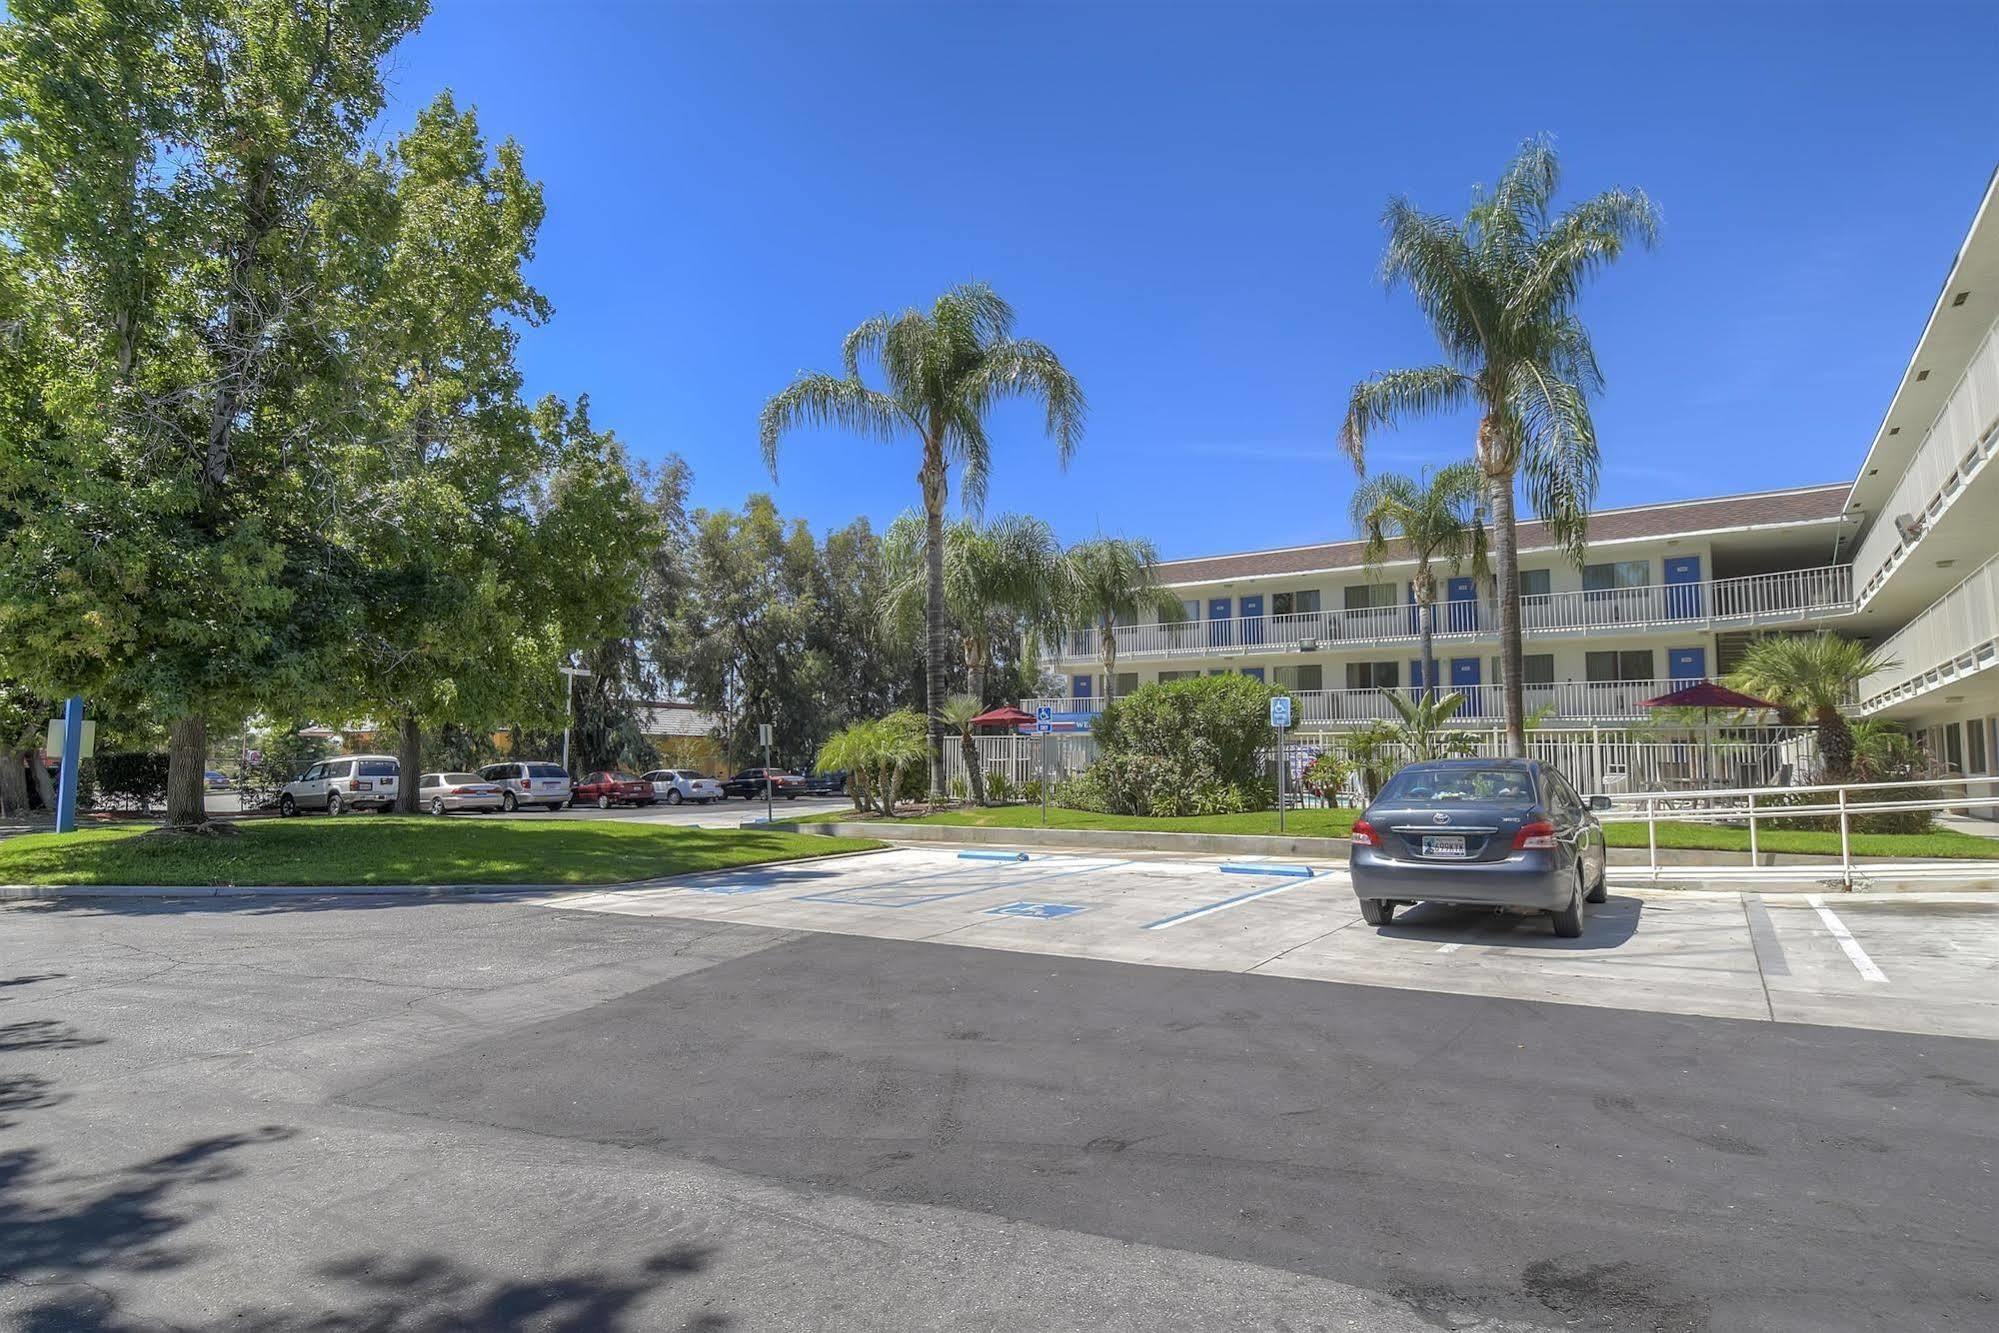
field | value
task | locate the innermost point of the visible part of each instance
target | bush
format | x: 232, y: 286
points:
x: 959, y: 789
x: 131, y: 781
x: 999, y: 787
x: 1030, y: 791
x: 1182, y: 748
x: 1327, y: 774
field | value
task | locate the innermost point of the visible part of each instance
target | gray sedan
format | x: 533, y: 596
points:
x: 1501, y: 833
x: 440, y: 793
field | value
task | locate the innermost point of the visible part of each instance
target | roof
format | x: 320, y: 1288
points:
x: 675, y: 717
x: 1760, y: 509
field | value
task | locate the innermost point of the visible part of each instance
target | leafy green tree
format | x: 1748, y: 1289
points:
x: 1428, y: 518
x: 1500, y: 290
x: 942, y: 372
x: 1003, y: 584
x: 1816, y: 676
x: 1111, y: 579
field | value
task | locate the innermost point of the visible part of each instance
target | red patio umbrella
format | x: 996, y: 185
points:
x: 1706, y: 694
x: 1003, y: 716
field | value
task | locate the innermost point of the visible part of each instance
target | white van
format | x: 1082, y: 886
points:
x: 356, y: 782
x: 529, y: 783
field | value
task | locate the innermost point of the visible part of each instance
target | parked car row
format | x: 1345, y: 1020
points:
x: 370, y: 782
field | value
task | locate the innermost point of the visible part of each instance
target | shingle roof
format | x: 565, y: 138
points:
x: 1808, y: 504
x: 671, y: 717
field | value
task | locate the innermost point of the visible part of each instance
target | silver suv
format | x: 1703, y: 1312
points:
x: 529, y: 783
x: 356, y: 782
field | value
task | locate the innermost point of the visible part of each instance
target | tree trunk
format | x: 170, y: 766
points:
x: 1835, y: 746
x: 890, y: 788
x: 934, y: 492
x: 977, y: 655
x: 187, y: 770
x: 14, y: 781
x: 974, y: 776
x: 1506, y: 548
x: 1426, y: 611
x: 409, y: 762
x: 38, y: 777
x: 1110, y: 659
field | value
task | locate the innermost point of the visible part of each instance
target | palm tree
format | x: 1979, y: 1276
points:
x: 1423, y: 728
x: 1434, y: 518
x: 942, y: 372
x: 1500, y: 290
x: 1001, y: 580
x: 1811, y: 675
x: 1112, y: 578
x: 959, y: 710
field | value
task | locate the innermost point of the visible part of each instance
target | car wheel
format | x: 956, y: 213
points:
x: 437, y: 805
x: 554, y: 806
x: 1602, y: 889
x: 333, y: 803
x: 603, y: 803
x: 1377, y: 911
x: 791, y: 796
x: 287, y: 806
x: 1569, y: 920
x: 508, y: 803
x: 673, y: 797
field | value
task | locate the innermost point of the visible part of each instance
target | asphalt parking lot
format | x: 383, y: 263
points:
x: 1199, y: 1100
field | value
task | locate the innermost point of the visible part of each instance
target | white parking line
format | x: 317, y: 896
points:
x: 1452, y: 947
x: 1839, y: 931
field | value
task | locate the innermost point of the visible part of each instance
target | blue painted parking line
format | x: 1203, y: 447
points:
x: 1296, y: 872
x: 1038, y: 911
x: 1179, y: 918
x: 890, y: 897
x: 992, y: 856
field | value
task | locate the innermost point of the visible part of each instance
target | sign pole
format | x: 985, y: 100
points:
x: 1281, y: 766
x: 1044, y: 722
x: 1280, y: 721
x: 768, y: 813
x: 72, y: 762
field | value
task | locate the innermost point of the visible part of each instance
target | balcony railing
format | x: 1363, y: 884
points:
x: 1954, y: 636
x: 1958, y: 444
x: 1570, y: 701
x: 1754, y: 599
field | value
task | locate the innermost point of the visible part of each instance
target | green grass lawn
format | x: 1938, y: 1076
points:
x: 1338, y: 823
x: 376, y: 849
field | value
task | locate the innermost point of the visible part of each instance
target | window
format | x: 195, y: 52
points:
x: 1191, y: 609
x: 1602, y: 668
x: 1974, y: 733
x: 430, y: 780
x: 1535, y: 669
x: 1303, y: 602
x: 314, y: 774
x: 1617, y: 574
x: 545, y: 770
x: 1953, y: 747
x: 343, y: 769
x: 1366, y: 596
x: 1310, y: 676
x: 1535, y: 583
x: 1127, y: 681
x: 1373, y: 675
x: 378, y: 768
x: 1168, y: 677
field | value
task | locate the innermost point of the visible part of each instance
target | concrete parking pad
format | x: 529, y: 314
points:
x: 1721, y: 954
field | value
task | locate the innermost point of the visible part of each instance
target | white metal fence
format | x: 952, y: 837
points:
x: 1956, y: 634
x: 1566, y: 701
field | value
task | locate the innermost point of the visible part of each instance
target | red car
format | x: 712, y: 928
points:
x: 608, y: 789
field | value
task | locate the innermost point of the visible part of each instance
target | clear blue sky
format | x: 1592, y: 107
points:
x: 1185, y: 201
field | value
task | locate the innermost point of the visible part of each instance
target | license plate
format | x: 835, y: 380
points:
x: 1439, y: 846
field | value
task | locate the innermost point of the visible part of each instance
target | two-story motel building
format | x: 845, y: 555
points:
x: 1905, y: 557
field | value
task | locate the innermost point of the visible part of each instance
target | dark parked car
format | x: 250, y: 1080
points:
x: 825, y: 784
x: 1504, y: 833
x: 749, y: 784
x: 607, y: 789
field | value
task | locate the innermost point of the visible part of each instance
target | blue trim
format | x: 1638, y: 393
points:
x: 992, y: 856
x: 72, y: 763
x: 1205, y: 908
x: 1296, y: 872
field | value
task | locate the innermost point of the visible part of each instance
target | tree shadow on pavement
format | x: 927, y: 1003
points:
x: 43, y: 1034
x: 1606, y: 925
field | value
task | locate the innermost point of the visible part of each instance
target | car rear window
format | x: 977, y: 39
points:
x: 544, y: 770
x: 1488, y: 786
x: 378, y: 768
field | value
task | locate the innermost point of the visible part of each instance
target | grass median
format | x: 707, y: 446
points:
x: 1770, y: 837
x: 377, y: 849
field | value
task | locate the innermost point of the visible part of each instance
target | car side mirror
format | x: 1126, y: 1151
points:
x: 1599, y: 803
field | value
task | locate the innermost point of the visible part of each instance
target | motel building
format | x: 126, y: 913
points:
x: 1905, y: 557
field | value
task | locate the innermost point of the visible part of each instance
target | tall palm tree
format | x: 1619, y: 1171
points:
x: 1433, y: 517
x: 959, y: 710
x: 1113, y: 578
x: 1001, y: 580
x: 1816, y: 676
x: 941, y: 371
x: 1500, y: 289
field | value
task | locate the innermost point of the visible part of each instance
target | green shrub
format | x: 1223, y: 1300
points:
x: 999, y: 787
x: 1180, y: 748
x: 131, y: 781
x: 959, y: 789
x: 1030, y: 791
x: 1327, y: 774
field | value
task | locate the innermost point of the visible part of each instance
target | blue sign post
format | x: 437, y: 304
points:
x: 1044, y: 722
x: 1280, y: 719
x: 72, y: 761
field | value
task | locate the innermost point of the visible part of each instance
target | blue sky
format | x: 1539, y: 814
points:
x: 1185, y: 200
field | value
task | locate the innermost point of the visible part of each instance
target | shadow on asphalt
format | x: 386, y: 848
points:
x: 1606, y: 925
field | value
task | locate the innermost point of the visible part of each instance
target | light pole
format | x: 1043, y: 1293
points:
x: 570, y: 672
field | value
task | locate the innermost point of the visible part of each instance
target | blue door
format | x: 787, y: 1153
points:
x: 1683, y: 586
x: 1415, y: 612
x: 1686, y: 663
x: 1219, y: 633
x: 1079, y: 687
x: 1252, y: 619
x: 1461, y: 605
x: 1415, y: 677
x: 1464, y: 679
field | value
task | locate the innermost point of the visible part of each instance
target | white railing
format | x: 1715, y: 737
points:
x: 1484, y: 705
x: 1958, y: 444
x: 1753, y: 599
x: 1955, y: 635
x: 1758, y: 807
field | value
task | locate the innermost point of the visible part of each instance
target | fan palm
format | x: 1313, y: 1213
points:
x: 1815, y: 676
x: 1001, y: 580
x: 1434, y: 517
x: 958, y: 711
x: 1423, y: 728
x: 942, y: 371
x: 1499, y: 289
x: 1113, y: 578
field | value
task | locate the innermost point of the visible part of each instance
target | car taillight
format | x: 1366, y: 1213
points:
x: 460, y: 791
x: 1535, y: 833
x: 1364, y: 834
